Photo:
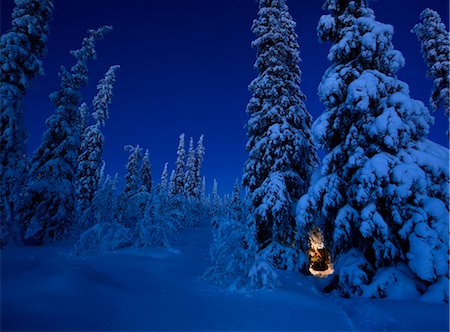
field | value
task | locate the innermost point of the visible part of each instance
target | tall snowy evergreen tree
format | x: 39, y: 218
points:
x: 132, y: 201
x: 21, y: 52
x: 236, y: 202
x: 203, y: 190
x: 190, y: 180
x: 146, y: 174
x: 172, y: 183
x: 49, y: 206
x: 178, y: 180
x: 216, y: 204
x: 381, y: 194
x: 199, y: 156
x: 92, y: 141
x: 435, y: 44
x: 163, y: 185
x: 132, y: 177
x: 282, y: 155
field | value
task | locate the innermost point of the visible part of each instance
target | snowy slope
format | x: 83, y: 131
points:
x: 158, y: 289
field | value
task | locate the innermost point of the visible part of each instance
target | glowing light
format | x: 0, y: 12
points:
x: 320, y: 264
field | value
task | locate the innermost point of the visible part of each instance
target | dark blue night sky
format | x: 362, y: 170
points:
x: 185, y: 67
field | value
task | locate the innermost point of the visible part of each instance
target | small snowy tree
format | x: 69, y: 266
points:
x: 172, y: 183
x: 282, y: 155
x: 199, y: 156
x: 102, y: 237
x: 146, y: 174
x: 230, y: 255
x: 132, y: 201
x: 236, y: 262
x: 381, y: 195
x: 163, y: 185
x: 92, y: 141
x: 49, y: 206
x: 236, y: 203
x: 191, y: 179
x: 203, y: 190
x: 216, y: 204
x: 132, y: 178
x: 435, y: 45
x: 104, y: 204
x: 226, y: 206
x: 178, y: 180
x: 159, y: 224
x: 21, y: 52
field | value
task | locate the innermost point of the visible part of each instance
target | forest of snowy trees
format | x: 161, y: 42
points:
x: 379, y: 197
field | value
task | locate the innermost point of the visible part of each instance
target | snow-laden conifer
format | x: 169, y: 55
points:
x: 104, y: 204
x: 191, y: 179
x: 282, y: 155
x: 146, y: 174
x: 236, y: 203
x: 48, y: 209
x: 91, y: 151
x: 203, y: 189
x: 172, y: 183
x: 133, y: 201
x: 199, y: 156
x: 381, y: 194
x: 178, y: 180
x: 216, y: 204
x: 236, y: 260
x: 435, y: 45
x: 163, y: 186
x: 21, y: 51
x: 132, y: 177
x: 159, y: 223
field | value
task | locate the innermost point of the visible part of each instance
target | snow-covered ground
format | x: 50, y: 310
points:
x: 43, y: 288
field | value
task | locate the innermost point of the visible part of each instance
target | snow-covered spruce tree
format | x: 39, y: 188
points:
x: 104, y: 204
x: 159, y: 223
x: 146, y: 174
x: 163, y: 186
x: 205, y: 202
x: 226, y: 206
x: 203, y: 190
x: 231, y: 256
x: 381, y: 194
x: 132, y: 178
x: 190, y: 180
x: 435, y: 45
x: 216, y: 204
x: 132, y: 202
x: 172, y: 183
x: 199, y: 156
x: 236, y: 262
x: 195, y: 212
x: 282, y: 155
x: 49, y: 205
x: 92, y: 141
x: 177, y: 186
x: 236, y: 203
x: 21, y: 51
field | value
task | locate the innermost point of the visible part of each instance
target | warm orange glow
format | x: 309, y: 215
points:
x: 322, y: 274
x: 320, y: 264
